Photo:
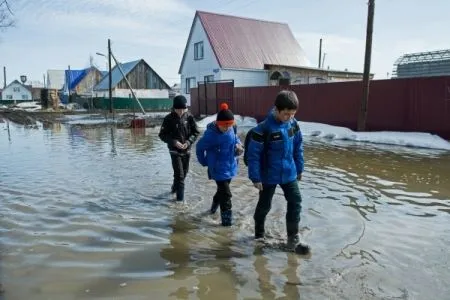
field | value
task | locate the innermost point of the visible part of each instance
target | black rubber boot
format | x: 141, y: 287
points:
x: 227, y: 218
x: 292, y: 233
x: 259, y: 230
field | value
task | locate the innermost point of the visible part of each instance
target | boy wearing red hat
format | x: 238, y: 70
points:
x: 218, y: 149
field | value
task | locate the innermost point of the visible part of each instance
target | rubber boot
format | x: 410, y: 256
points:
x: 259, y: 230
x: 293, y: 240
x: 292, y: 233
x: 227, y: 217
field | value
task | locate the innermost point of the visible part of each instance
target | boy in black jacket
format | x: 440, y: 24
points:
x: 179, y: 131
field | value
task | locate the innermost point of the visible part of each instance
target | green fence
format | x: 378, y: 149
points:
x: 129, y: 103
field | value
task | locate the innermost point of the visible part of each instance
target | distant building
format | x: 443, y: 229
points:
x: 82, y: 82
x: 175, y: 90
x: 309, y: 75
x: 16, y: 92
x: 55, y: 79
x: 423, y: 64
x: 148, y: 86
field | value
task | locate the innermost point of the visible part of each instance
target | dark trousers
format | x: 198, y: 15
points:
x: 180, y: 165
x: 223, y: 195
x: 294, y: 199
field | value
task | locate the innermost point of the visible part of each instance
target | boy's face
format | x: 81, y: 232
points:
x: 181, y: 111
x: 285, y: 114
x: 224, y: 128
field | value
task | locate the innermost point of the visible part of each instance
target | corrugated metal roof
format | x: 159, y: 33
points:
x: 116, y: 75
x: 55, y: 79
x: 243, y: 43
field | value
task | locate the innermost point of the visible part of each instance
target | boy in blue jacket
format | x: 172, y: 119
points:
x: 218, y: 149
x: 275, y: 157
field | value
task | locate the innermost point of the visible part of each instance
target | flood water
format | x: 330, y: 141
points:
x: 85, y: 214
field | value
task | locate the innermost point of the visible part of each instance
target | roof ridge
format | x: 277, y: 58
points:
x: 239, y: 17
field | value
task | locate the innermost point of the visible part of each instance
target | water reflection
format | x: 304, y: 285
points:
x: 208, y: 260
x: 376, y: 220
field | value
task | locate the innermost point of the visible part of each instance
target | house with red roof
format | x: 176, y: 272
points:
x: 248, y: 51
x: 223, y: 47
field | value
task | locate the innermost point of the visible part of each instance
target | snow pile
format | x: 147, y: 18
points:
x: 27, y: 106
x: 409, y: 139
x: 240, y: 121
x: 335, y: 133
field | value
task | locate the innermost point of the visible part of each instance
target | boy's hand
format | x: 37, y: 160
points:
x: 179, y: 145
x: 299, y: 177
x: 258, y: 185
x: 239, y: 149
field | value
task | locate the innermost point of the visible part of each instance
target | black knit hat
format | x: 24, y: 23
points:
x: 179, y: 102
x: 225, y: 116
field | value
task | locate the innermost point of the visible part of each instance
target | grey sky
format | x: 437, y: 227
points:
x: 57, y: 33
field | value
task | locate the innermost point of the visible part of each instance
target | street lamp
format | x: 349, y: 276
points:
x: 109, y: 75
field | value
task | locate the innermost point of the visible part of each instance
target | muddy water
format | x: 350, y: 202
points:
x: 85, y: 214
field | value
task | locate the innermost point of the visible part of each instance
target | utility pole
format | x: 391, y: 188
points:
x: 4, y: 77
x: 110, y: 78
x: 320, y: 53
x: 362, y: 117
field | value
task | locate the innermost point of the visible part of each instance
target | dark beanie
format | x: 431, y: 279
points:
x: 179, y: 102
x: 225, y: 116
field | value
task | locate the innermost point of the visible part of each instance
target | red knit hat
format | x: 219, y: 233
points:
x: 225, y: 116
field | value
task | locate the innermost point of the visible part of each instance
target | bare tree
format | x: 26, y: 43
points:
x: 6, y: 15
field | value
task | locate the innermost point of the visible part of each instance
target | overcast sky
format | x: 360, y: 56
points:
x: 57, y: 33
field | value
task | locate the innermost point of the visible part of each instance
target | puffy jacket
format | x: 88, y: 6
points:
x: 217, y: 151
x: 175, y: 128
x: 275, y: 152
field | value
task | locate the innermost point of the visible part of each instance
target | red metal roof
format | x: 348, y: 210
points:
x: 243, y: 43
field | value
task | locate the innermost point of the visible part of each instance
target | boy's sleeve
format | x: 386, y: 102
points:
x: 194, y: 132
x: 254, y: 152
x: 164, y: 133
x: 204, y: 143
x: 298, y: 152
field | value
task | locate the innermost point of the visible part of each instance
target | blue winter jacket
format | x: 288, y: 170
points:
x: 277, y: 157
x: 216, y: 150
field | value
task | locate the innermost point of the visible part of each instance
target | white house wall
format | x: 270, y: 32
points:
x: 8, y: 94
x: 140, y: 93
x: 245, y: 77
x: 202, y: 67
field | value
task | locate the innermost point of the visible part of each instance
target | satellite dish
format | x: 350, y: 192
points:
x: 23, y: 78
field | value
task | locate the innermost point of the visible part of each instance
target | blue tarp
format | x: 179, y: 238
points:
x: 73, y: 77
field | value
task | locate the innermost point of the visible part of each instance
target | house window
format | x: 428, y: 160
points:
x: 8, y: 97
x: 190, y: 83
x: 209, y: 78
x: 24, y: 97
x: 16, y: 89
x: 198, y: 50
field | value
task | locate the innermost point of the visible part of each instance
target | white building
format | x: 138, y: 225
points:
x: 221, y: 47
x: 16, y: 91
x: 55, y: 79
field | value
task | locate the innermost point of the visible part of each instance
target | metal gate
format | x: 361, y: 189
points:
x: 211, y: 94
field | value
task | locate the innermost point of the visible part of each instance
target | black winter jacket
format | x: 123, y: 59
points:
x: 182, y: 129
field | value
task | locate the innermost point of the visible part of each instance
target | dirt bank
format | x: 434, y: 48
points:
x: 31, y: 119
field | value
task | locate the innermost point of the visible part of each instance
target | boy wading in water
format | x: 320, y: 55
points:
x: 275, y: 157
x: 218, y: 149
x: 179, y: 131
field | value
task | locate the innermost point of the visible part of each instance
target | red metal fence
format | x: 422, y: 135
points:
x: 412, y: 104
